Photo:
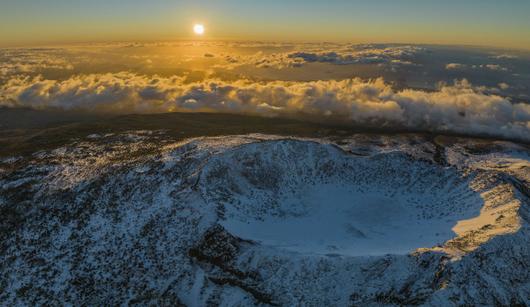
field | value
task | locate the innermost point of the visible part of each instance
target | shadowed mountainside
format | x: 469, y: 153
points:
x: 24, y: 131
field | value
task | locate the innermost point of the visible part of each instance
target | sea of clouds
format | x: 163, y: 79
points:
x: 459, y: 107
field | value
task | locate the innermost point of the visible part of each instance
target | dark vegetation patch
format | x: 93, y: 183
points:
x: 24, y: 131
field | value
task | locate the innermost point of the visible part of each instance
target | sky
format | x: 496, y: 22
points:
x: 465, y: 22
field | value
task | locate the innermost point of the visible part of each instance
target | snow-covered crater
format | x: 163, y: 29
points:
x: 315, y: 198
x: 153, y: 220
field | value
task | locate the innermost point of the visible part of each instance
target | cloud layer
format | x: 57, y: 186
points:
x: 458, y: 66
x: 233, y: 77
x: 459, y: 108
x: 332, y: 54
x: 25, y: 61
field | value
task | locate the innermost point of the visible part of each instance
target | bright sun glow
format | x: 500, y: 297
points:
x: 198, y: 29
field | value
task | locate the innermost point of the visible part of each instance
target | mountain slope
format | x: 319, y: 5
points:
x: 141, y: 218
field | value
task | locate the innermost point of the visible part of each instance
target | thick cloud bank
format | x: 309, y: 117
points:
x: 459, y: 108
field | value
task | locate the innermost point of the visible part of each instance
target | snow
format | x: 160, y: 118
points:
x: 338, y: 204
x: 372, y: 221
x: 343, y: 221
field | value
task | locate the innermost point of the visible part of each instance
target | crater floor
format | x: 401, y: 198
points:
x: 320, y: 200
x: 346, y: 222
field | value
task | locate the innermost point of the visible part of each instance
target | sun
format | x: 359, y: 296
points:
x: 198, y: 29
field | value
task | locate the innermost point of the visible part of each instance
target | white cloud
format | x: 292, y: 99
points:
x: 332, y: 54
x: 504, y: 56
x: 454, y: 66
x: 504, y: 86
x: 459, y: 108
x: 13, y: 62
x: 458, y: 66
x: 494, y: 67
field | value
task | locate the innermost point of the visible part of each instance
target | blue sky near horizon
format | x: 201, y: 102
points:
x: 473, y: 22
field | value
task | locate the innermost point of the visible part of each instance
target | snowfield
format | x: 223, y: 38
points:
x: 139, y: 219
x: 328, y: 202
